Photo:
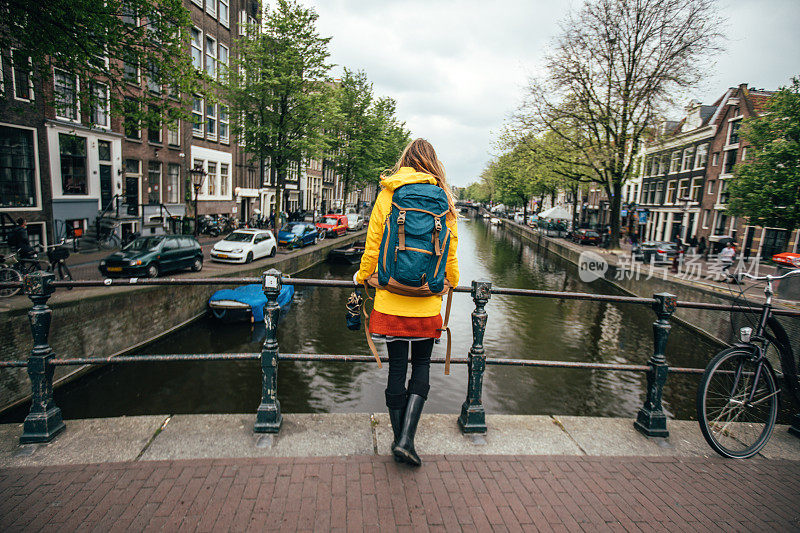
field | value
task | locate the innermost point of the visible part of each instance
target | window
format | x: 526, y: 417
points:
x: 222, y: 66
x: 211, y: 7
x: 223, y: 179
x: 715, y: 159
x: 173, y: 182
x: 197, y: 48
x: 730, y: 160
x: 174, y: 133
x: 675, y: 163
x: 710, y: 187
x: 224, y: 127
x: 705, y: 218
x: 211, y: 121
x: 211, y: 179
x: 654, y: 164
x: 223, y: 12
x: 73, y: 164
x: 211, y: 56
x: 131, y: 121
x: 65, y: 88
x: 671, y: 192
x: 719, y: 226
x: 130, y: 72
x: 697, y: 189
x: 659, y: 193
x: 683, y: 190
x: 154, y: 129
x: 199, y: 3
x: 688, y: 159
x: 128, y: 15
x: 723, y: 192
x: 17, y: 168
x: 21, y: 76
x: 197, y: 117
x: 733, y: 131
x: 152, y: 79
x: 132, y: 167
x: 154, y: 182
x: 99, y: 115
x: 701, y: 157
x: 744, y: 153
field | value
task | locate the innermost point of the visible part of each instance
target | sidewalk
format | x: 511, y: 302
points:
x: 333, y: 472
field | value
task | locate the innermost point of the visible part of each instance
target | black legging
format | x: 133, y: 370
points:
x: 398, y: 367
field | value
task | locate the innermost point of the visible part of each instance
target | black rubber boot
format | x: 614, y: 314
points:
x: 396, y: 404
x: 404, y: 449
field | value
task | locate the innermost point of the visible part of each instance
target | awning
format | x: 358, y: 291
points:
x: 558, y: 213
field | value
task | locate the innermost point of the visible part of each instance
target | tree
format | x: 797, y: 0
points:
x: 766, y: 187
x: 615, y: 66
x: 105, y: 41
x: 279, y: 88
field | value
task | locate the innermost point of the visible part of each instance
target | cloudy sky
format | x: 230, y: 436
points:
x: 458, y: 68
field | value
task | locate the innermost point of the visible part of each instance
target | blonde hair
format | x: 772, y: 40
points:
x: 420, y: 155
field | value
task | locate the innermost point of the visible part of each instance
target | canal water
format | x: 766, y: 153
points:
x: 518, y: 327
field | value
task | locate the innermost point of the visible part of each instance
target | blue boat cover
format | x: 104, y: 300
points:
x: 253, y: 295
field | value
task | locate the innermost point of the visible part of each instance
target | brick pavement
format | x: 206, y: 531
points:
x: 474, y: 493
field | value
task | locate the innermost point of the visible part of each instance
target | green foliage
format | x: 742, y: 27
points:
x: 94, y: 39
x: 766, y: 188
x: 368, y: 136
x: 279, y: 89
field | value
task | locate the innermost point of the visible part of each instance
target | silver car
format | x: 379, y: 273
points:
x: 355, y: 221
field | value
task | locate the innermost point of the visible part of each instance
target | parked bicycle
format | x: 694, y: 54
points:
x: 107, y: 237
x: 13, y: 268
x: 57, y: 255
x: 739, y: 394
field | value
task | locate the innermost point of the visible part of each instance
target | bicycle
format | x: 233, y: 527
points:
x: 739, y: 393
x: 107, y: 238
x: 57, y: 255
x: 12, y: 268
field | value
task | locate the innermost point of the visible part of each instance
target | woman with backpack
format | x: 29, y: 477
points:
x: 410, y: 258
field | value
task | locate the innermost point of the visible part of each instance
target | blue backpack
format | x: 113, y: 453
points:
x: 415, y: 242
x: 414, y: 247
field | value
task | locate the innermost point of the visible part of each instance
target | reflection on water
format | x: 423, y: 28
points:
x: 518, y: 327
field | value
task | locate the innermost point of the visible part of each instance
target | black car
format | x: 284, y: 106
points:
x: 154, y: 255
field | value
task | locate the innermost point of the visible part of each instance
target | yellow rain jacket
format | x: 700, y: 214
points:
x: 385, y: 301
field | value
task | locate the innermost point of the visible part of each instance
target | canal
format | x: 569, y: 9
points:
x: 518, y: 327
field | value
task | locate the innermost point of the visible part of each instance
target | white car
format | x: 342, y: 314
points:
x: 244, y: 245
x: 355, y: 221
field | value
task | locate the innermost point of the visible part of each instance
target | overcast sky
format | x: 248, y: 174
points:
x: 458, y: 68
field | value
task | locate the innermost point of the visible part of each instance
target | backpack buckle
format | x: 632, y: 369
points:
x: 438, y: 224
x: 401, y: 218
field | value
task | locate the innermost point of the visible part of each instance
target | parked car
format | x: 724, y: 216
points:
x: 519, y: 218
x: 585, y: 236
x: 658, y: 252
x: 355, y: 221
x: 244, y: 245
x: 333, y: 225
x: 299, y: 234
x: 152, y: 256
x: 789, y: 259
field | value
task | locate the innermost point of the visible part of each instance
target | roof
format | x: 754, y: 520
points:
x: 760, y: 100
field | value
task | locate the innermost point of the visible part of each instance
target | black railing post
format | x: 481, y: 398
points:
x: 44, y: 419
x: 473, y: 417
x: 268, y: 417
x: 651, y: 419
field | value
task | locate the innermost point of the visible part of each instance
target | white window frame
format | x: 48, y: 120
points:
x: 212, y: 136
x: 14, y: 79
x: 728, y: 153
x: 106, y: 111
x: 701, y: 150
x: 715, y: 159
x: 36, y: 177
x: 211, y: 8
x: 198, y: 3
x: 675, y: 162
x: 193, y: 47
x: 77, y: 118
x: 225, y: 22
x: 177, y: 131
x: 688, y: 153
x: 731, y: 122
x: 212, y: 56
x: 160, y: 140
x: 195, y: 132
x: 170, y: 192
x: 744, y: 153
x: 227, y: 122
x: 705, y: 219
x: 224, y: 179
x: 710, y: 189
x: 242, y: 21
x: 672, y: 188
x: 210, y: 184
x: 220, y: 48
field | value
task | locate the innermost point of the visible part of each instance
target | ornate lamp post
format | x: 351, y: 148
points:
x: 198, y: 174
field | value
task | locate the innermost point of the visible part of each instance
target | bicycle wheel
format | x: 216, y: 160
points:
x: 731, y: 425
x: 9, y: 275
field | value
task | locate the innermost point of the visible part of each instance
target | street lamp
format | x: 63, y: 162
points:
x: 198, y: 174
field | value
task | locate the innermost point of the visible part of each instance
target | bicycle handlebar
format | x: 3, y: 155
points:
x: 768, y: 277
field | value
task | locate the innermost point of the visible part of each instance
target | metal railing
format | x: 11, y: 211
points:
x: 44, y: 420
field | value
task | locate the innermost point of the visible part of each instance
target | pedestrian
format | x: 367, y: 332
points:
x: 408, y: 323
x: 701, y: 246
x: 693, y: 245
x: 19, y: 241
x: 726, y: 257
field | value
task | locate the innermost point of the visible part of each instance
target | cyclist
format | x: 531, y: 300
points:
x: 18, y: 240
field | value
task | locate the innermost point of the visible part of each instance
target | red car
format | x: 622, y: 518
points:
x: 787, y: 259
x: 333, y: 225
x: 586, y: 236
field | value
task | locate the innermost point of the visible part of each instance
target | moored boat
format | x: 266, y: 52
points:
x: 246, y: 303
x: 350, y: 254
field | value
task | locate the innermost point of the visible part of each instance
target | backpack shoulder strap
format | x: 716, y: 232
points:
x: 446, y: 329
x: 370, y: 342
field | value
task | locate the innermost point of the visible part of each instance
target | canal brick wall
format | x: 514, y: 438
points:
x: 103, y: 322
x: 713, y: 324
